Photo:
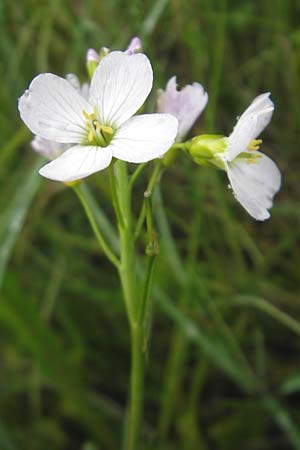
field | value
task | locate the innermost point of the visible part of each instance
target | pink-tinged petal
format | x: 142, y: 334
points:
x: 51, y: 108
x: 135, y: 46
x: 120, y: 85
x: 249, y: 126
x: 145, y: 137
x: 77, y: 162
x: 92, y: 55
x: 186, y: 104
x: 254, y: 184
x: 49, y: 149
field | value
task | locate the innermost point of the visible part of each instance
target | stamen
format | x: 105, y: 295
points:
x: 254, y: 144
x: 90, y: 135
x: 106, y: 129
x: 97, y: 134
x: 253, y: 159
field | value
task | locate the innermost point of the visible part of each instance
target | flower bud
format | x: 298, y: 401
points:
x: 207, y: 149
x: 104, y: 51
x: 135, y: 46
x: 92, y: 61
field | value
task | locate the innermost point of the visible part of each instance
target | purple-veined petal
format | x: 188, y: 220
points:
x: 120, y: 85
x: 52, y: 108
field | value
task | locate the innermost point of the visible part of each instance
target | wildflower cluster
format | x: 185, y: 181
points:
x: 82, y: 128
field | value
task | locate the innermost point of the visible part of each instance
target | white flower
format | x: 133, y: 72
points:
x: 103, y: 126
x: 253, y: 176
x: 186, y: 105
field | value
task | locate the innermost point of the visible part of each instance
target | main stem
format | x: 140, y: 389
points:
x: 128, y: 278
x: 136, y: 389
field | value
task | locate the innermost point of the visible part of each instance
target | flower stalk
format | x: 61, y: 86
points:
x: 91, y: 218
x: 121, y: 187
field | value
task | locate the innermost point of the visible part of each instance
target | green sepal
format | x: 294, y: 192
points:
x: 207, y: 149
x: 91, y: 66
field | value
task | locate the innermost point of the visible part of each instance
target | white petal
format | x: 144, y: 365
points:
x: 52, y: 109
x: 186, y: 104
x: 260, y: 103
x: 73, y: 80
x: 77, y: 162
x: 82, y: 89
x: 145, y: 137
x: 254, y: 185
x: 120, y: 85
x: 256, y: 117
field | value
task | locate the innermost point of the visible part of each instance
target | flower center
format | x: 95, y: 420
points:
x: 254, y: 146
x: 97, y: 134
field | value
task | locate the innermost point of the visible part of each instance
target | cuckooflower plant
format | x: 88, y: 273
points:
x: 254, y: 177
x: 82, y: 128
x: 102, y: 127
x: 186, y: 105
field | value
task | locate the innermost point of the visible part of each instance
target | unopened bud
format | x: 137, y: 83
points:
x: 92, y: 55
x: 135, y: 46
x: 104, y: 51
x: 207, y: 149
x: 92, y: 61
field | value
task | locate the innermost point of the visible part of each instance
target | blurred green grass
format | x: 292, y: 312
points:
x: 227, y: 306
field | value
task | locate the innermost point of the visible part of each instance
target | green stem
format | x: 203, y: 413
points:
x: 136, y: 174
x: 128, y: 278
x: 137, y: 306
x: 114, y: 196
x: 127, y: 268
x: 136, y: 388
x: 158, y: 168
x: 91, y: 218
x: 146, y: 301
x: 140, y: 222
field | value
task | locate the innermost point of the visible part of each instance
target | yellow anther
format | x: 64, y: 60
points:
x: 107, y: 129
x: 92, y: 116
x: 97, y: 134
x: 254, y: 144
x: 254, y: 159
x: 90, y: 135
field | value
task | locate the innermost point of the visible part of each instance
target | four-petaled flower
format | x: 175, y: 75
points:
x: 186, y: 105
x: 253, y: 176
x: 103, y: 126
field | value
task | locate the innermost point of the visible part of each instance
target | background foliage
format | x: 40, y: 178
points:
x: 223, y: 371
